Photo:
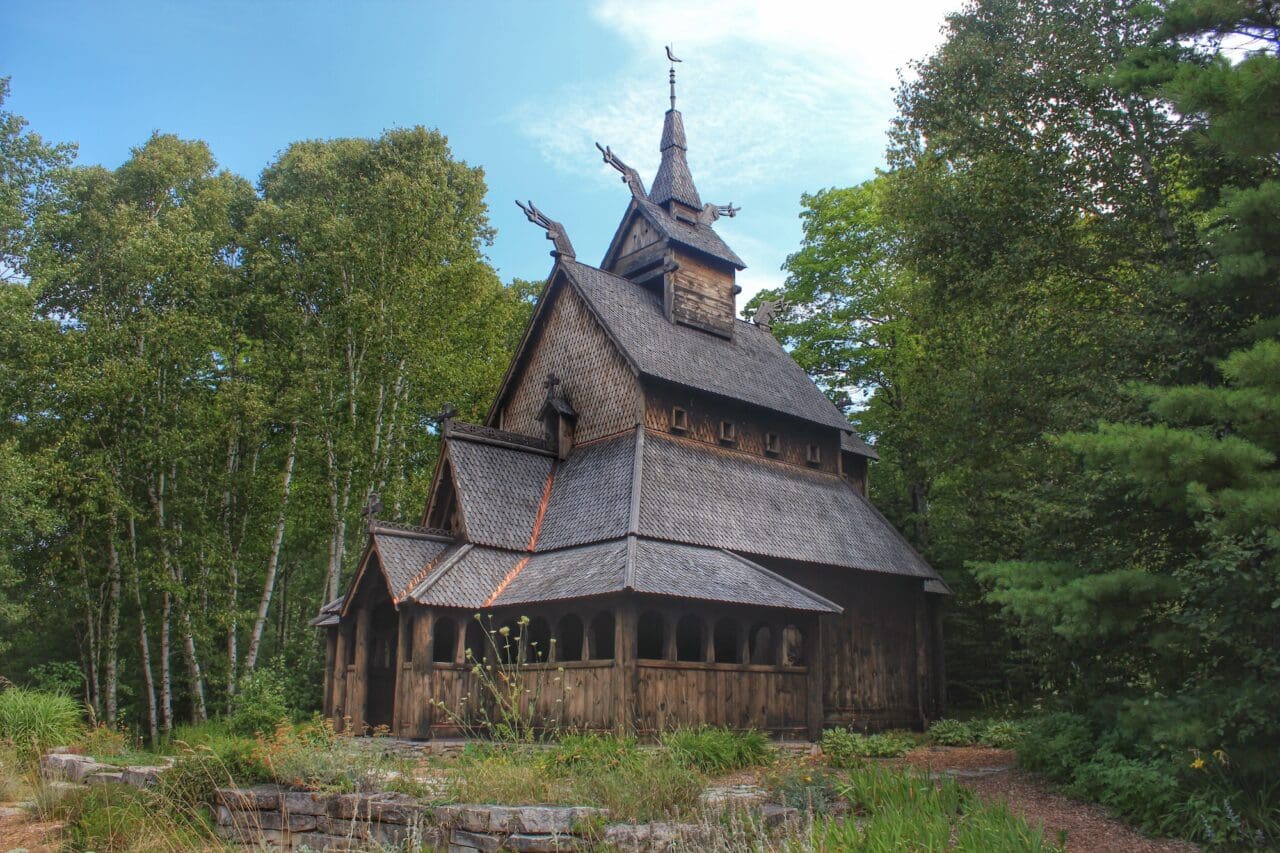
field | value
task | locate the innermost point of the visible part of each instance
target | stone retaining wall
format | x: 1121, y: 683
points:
x: 275, y: 817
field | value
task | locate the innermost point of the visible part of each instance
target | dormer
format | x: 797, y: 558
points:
x: 666, y: 243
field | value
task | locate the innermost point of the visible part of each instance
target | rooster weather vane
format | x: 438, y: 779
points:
x: 555, y: 231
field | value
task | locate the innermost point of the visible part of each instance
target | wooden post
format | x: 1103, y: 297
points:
x: 330, y: 662
x: 400, y: 713
x: 815, y: 665
x: 939, y: 660
x: 338, y: 709
x: 625, y: 671
x: 360, y: 677
x: 420, y: 690
x: 670, y: 620
x: 922, y: 659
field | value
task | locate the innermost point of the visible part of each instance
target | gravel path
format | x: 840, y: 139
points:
x: 993, y: 775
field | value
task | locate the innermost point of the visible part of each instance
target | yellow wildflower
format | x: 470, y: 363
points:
x: 1198, y: 763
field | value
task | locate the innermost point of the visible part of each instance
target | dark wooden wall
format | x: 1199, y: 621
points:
x: 706, y: 412
x: 700, y: 294
x: 594, y: 377
x: 882, y: 658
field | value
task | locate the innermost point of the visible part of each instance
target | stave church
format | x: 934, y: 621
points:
x: 660, y: 504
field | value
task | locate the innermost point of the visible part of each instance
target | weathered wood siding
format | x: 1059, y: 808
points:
x: 670, y: 694
x: 581, y: 696
x: 751, y: 423
x: 594, y: 377
x: 881, y: 663
x: 701, y: 295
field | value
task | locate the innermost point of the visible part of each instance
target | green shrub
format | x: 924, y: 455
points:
x: 1002, y: 734
x: 259, y: 704
x: 1144, y: 792
x: 843, y: 748
x: 810, y: 789
x: 716, y: 750
x: 1056, y: 744
x: 33, y: 721
x: 121, y: 818
x: 951, y: 733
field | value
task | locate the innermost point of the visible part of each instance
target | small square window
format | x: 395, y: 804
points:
x: 772, y: 444
x: 679, y: 420
x: 728, y: 432
x: 815, y: 455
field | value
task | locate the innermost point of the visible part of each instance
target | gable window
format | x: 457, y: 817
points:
x: 814, y: 456
x: 728, y: 432
x: 679, y: 419
x: 772, y: 444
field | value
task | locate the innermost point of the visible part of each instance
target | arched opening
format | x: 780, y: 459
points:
x: 600, y: 641
x: 689, y: 644
x: 725, y: 640
x: 476, y: 647
x: 760, y: 644
x: 444, y: 640
x: 537, y: 635
x: 569, y: 638
x: 792, y: 646
x: 651, y: 636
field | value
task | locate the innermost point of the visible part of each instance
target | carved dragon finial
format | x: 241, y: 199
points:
x: 372, y: 508
x: 555, y: 231
x: 768, y: 309
x: 630, y: 176
x: 711, y: 212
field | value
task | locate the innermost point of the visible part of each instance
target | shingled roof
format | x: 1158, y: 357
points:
x: 687, y: 493
x: 750, y: 366
x: 476, y: 576
x: 673, y: 181
x: 694, y: 235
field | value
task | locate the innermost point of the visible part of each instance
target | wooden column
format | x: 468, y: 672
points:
x: 338, y: 702
x: 625, y: 672
x: 939, y: 659
x: 359, y: 693
x: 400, y: 708
x: 815, y: 666
x: 330, y: 662
x: 420, y: 690
x: 923, y: 709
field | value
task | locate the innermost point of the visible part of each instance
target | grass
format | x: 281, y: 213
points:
x: 843, y: 748
x: 908, y: 810
x: 592, y: 770
x: 715, y: 750
x: 32, y: 721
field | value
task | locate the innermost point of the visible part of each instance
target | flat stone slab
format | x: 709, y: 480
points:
x: 105, y: 777
x: 736, y: 795
x: 142, y: 777
x: 654, y: 836
x: 71, y: 767
x: 384, y: 807
x: 306, y: 802
x: 253, y: 798
x: 531, y: 820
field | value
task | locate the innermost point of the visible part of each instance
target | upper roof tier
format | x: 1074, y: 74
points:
x: 673, y: 181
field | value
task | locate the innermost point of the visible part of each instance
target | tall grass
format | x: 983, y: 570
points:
x: 714, y: 750
x: 909, y: 810
x: 33, y: 721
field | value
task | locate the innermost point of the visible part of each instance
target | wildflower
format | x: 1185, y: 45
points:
x: 504, y: 631
x: 1198, y: 763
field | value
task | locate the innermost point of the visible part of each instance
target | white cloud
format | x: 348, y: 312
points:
x: 778, y: 97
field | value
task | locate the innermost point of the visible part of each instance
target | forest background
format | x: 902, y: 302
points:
x: 1057, y: 309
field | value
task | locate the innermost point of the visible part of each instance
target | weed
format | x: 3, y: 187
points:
x: 951, y: 733
x: 843, y: 748
x: 716, y: 750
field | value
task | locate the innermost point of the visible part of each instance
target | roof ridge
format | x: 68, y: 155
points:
x: 441, y: 570
x: 408, y: 531
x: 786, y: 580
x: 497, y: 437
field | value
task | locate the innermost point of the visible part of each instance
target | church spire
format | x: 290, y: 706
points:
x: 673, y: 181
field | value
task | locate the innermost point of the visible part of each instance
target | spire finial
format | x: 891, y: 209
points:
x: 673, y: 59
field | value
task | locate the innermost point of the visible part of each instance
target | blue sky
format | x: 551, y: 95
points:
x: 779, y: 98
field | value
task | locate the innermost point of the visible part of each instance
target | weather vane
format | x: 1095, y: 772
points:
x: 673, y: 59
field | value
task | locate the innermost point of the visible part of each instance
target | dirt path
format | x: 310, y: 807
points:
x: 20, y: 831
x: 993, y: 775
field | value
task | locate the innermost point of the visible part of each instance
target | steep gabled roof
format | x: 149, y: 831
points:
x: 691, y: 235
x: 674, y: 181
x: 499, y: 489
x: 401, y: 552
x: 751, y: 366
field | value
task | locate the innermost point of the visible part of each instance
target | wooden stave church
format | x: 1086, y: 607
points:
x: 665, y: 495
